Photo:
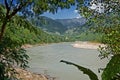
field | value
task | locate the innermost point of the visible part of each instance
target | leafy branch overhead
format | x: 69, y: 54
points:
x: 29, y: 8
x: 86, y: 71
x: 111, y: 72
x: 11, y: 53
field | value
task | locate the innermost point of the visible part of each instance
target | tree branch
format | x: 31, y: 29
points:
x: 7, y: 8
x: 5, y: 20
x: 9, y: 16
x: 11, y: 3
x: 6, y: 4
x: 17, y: 9
x: 2, y: 29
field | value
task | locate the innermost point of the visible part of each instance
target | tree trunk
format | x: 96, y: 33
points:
x: 2, y: 29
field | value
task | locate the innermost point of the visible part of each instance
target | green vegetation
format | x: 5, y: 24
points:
x: 84, y: 33
x: 14, y: 31
x: 74, y: 29
x: 107, y: 23
x: 113, y: 74
x: 22, y: 35
x: 86, y: 71
x: 48, y: 24
x: 85, y: 36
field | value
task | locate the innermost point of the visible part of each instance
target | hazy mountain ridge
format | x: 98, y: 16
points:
x: 58, y: 25
x: 71, y: 23
x: 48, y: 24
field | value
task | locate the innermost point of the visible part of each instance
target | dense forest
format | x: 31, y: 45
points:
x: 19, y: 33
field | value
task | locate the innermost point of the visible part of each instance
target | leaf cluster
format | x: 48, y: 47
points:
x: 111, y: 72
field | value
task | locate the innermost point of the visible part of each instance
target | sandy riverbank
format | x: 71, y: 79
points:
x: 87, y: 45
x: 77, y: 44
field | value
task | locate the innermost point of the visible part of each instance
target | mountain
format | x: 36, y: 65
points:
x: 49, y: 25
x: 58, y: 26
x: 72, y: 29
x: 71, y: 23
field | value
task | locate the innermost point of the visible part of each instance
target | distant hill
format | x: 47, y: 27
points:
x: 49, y: 25
x: 71, y: 23
x: 58, y: 26
x: 71, y: 29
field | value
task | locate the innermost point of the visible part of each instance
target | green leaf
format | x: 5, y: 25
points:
x: 112, y: 68
x: 86, y: 71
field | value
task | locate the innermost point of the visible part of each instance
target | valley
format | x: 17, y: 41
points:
x: 75, y: 29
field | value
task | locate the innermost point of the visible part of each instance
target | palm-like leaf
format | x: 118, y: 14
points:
x: 86, y: 71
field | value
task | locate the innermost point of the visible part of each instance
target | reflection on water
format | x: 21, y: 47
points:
x: 46, y: 59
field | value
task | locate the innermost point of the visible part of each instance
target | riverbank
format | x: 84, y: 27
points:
x: 25, y: 46
x: 87, y: 45
x: 27, y: 75
x: 77, y: 44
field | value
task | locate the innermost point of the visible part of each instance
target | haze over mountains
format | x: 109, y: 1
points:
x: 71, y: 23
x: 59, y: 26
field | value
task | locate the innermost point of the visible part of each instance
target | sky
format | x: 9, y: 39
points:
x: 63, y: 14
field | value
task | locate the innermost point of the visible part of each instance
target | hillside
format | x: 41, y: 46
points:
x: 48, y: 24
x: 59, y: 26
x: 73, y: 29
x: 72, y: 23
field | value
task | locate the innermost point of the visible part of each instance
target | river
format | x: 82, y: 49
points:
x: 46, y: 60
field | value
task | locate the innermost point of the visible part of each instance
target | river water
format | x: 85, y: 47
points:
x: 46, y: 60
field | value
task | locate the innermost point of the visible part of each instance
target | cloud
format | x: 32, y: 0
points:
x: 78, y: 16
x: 75, y: 11
x: 94, y: 6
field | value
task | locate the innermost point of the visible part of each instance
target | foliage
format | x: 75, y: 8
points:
x: 16, y: 35
x: 86, y: 71
x: 112, y: 69
x: 111, y: 39
x: 23, y: 34
x: 11, y: 53
x: 108, y: 23
x: 85, y: 36
x: 10, y: 57
x: 111, y: 72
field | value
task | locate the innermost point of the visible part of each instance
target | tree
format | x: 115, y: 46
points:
x: 107, y: 22
x: 30, y: 7
x: 11, y: 53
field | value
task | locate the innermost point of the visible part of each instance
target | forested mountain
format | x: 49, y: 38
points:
x: 48, y: 24
x: 71, y: 23
x: 58, y: 25
x: 22, y: 32
x: 72, y: 29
